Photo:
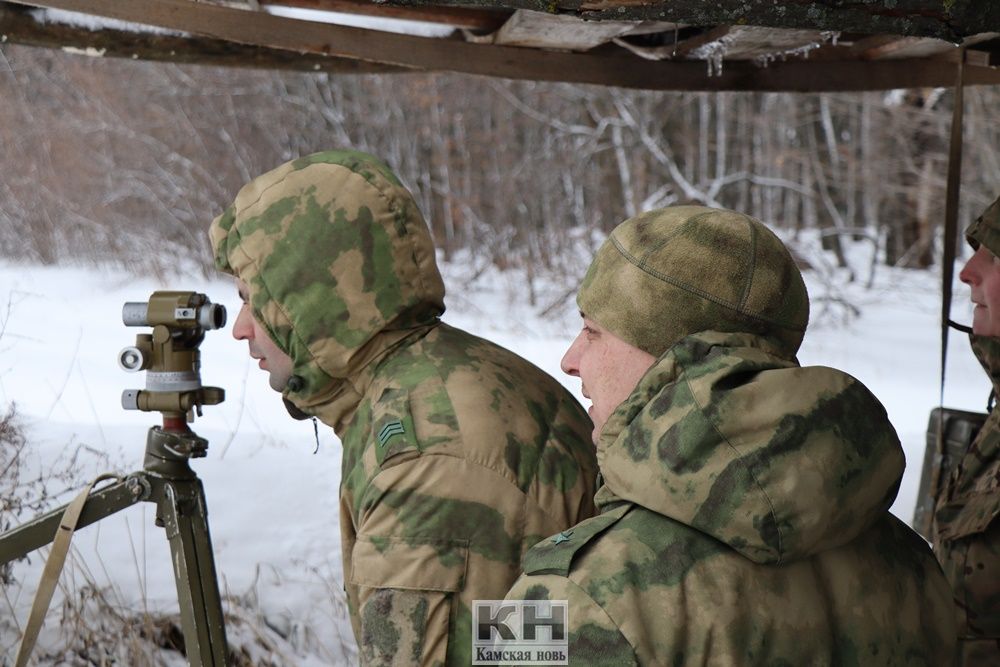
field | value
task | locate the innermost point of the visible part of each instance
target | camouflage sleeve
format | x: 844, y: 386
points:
x: 434, y: 533
x: 594, y: 638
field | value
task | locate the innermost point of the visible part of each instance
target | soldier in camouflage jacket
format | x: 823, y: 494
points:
x: 458, y: 454
x: 966, y: 530
x: 744, y: 512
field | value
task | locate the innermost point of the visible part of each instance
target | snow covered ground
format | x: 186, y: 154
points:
x: 272, y: 493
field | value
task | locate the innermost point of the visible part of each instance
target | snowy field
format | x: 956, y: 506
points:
x: 272, y: 494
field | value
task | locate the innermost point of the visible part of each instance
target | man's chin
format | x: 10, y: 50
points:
x: 982, y: 325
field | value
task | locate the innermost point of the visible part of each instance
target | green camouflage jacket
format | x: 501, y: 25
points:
x: 967, y: 534
x: 458, y: 454
x: 744, y: 522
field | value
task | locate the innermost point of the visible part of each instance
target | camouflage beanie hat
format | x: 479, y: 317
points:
x: 986, y: 229
x: 672, y: 272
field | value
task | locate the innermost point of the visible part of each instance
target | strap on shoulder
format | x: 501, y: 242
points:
x: 554, y: 555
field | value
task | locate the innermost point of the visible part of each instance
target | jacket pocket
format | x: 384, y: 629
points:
x: 409, y: 563
x: 973, y: 511
x: 408, y: 590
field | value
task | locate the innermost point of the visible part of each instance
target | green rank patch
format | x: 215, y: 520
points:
x: 391, y: 429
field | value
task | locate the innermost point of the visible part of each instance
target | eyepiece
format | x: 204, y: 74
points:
x: 131, y: 359
x: 212, y: 316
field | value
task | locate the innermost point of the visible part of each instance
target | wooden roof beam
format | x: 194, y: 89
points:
x: 18, y: 26
x: 478, y: 20
x: 258, y: 28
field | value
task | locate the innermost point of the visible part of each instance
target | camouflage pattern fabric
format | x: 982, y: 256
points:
x: 967, y: 532
x: 671, y: 272
x: 744, y: 521
x: 985, y: 230
x: 458, y: 454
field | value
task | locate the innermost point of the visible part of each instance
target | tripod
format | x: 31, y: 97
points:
x: 171, y: 355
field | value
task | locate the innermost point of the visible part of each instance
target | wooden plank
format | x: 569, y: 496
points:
x: 649, y: 27
x: 18, y: 26
x: 972, y: 57
x: 901, y: 47
x: 945, y: 19
x: 847, y: 52
x: 702, y: 41
x: 480, y: 20
x: 519, y: 63
x: 554, y: 31
x: 752, y: 42
x: 879, y: 47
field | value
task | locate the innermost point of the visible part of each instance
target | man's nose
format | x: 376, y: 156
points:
x: 970, y: 272
x: 243, y: 327
x: 570, y: 363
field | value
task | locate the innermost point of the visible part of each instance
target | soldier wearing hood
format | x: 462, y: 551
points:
x: 966, y: 532
x: 458, y: 454
x: 744, y: 512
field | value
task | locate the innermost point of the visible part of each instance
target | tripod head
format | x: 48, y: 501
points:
x: 170, y: 355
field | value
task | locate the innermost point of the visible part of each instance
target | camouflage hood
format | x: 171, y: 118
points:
x: 340, y: 268
x: 778, y: 461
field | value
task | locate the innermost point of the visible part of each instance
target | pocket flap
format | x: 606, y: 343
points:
x: 409, y: 563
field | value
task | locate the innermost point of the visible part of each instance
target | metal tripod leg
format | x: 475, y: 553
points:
x: 39, y: 531
x: 168, y: 481
x: 182, y: 508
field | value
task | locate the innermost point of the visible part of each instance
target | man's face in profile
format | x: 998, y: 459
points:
x: 271, y: 359
x: 608, y: 367
x: 982, y: 274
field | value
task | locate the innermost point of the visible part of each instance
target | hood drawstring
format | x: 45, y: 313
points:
x: 960, y: 327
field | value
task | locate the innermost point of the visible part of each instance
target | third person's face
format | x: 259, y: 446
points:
x: 982, y: 274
